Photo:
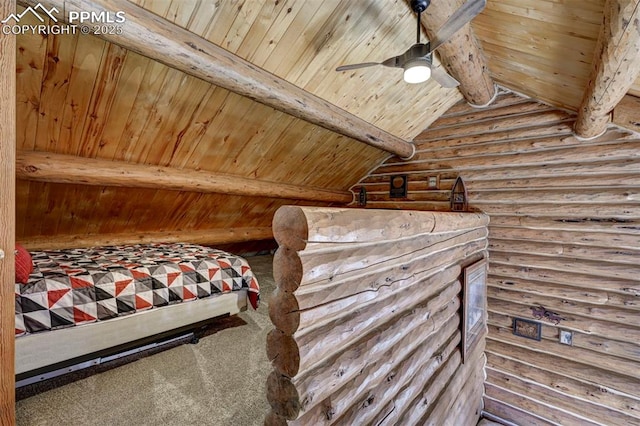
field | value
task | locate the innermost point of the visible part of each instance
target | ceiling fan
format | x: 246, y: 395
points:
x: 417, y: 61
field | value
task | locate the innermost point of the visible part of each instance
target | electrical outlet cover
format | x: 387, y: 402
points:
x: 566, y: 337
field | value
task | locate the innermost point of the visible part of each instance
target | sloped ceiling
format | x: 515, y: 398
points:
x: 79, y: 95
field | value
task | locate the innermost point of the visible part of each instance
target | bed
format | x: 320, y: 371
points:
x: 77, y: 303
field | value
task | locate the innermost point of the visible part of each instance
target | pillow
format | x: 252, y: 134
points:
x: 24, y: 264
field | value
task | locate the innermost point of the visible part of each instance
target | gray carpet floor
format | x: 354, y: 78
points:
x: 218, y: 381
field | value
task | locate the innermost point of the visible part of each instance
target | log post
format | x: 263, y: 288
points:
x: 154, y: 37
x: 616, y: 65
x: 7, y: 217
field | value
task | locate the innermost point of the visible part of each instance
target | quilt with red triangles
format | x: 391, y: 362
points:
x: 79, y: 286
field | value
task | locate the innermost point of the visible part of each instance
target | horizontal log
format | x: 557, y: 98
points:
x: 421, y: 396
x: 542, y: 413
x: 371, y: 392
x: 564, y: 183
x: 292, y: 225
x: 561, y: 170
x: 609, y: 151
x: 498, y: 408
x: 294, y: 314
x: 316, y: 385
x: 354, y: 288
x: 591, y: 325
x: 572, y: 210
x: 196, y: 236
x: 589, y: 282
x: 436, y: 403
x: 498, y: 124
x: 609, y: 382
x: 624, y: 367
x: 329, y: 268
x: 435, y: 206
x: 503, y: 100
x: 450, y: 176
x: 315, y: 344
x: 476, y: 115
x: 603, y: 237
x: 464, y: 406
x: 425, y: 143
x: 617, y: 256
x: 559, y: 224
x: 594, y: 268
x: 59, y: 168
x: 154, y: 37
x: 604, y: 345
x: 550, y: 377
x: 557, y: 196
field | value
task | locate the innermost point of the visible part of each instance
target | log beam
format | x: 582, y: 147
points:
x: 199, y: 236
x: 154, y: 37
x: 7, y: 217
x: 59, y: 168
x: 461, y: 55
x: 615, y: 68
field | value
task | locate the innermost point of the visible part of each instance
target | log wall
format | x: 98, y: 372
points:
x: 367, y: 318
x: 564, y: 234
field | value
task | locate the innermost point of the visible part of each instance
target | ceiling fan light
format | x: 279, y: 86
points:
x: 417, y: 71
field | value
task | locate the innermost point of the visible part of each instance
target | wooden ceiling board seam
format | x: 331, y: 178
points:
x: 202, y: 17
x: 89, y: 54
x: 534, y: 63
x: 258, y: 34
x: 169, y: 139
x: 282, y: 57
x: 556, y: 12
x: 221, y: 22
x: 314, y: 47
x: 142, y: 111
x: 246, y: 15
x: 105, y: 90
x: 30, y: 57
x: 181, y: 12
x: 133, y: 71
x: 56, y: 74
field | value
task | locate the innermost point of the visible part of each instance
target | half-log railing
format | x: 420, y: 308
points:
x: 367, y: 317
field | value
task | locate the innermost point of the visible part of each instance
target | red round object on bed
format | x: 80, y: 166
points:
x: 24, y: 264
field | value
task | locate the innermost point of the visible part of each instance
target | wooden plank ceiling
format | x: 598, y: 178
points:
x: 79, y: 95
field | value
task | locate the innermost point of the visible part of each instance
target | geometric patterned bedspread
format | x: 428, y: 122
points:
x: 79, y: 286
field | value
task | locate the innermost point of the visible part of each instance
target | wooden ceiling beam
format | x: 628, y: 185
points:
x: 59, y: 168
x: 616, y: 66
x: 154, y: 37
x: 461, y: 54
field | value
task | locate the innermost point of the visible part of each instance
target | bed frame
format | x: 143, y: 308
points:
x: 39, y: 354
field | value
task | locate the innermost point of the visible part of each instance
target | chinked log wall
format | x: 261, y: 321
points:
x: 367, y: 318
x: 564, y: 234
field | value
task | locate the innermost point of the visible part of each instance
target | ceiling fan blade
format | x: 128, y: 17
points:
x: 356, y: 66
x: 443, y: 78
x: 391, y: 62
x: 460, y: 17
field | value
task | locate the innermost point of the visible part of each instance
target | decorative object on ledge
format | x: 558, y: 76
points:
x: 459, y: 200
x: 398, y: 186
x: 474, y: 300
x: 527, y: 328
x: 362, y: 197
x: 433, y: 182
x: 540, y: 312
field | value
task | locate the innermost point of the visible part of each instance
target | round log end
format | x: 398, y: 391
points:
x: 290, y: 227
x: 283, y: 398
x: 287, y: 269
x: 284, y: 312
x: 283, y: 352
x: 272, y: 419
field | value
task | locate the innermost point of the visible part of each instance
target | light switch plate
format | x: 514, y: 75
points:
x: 566, y: 337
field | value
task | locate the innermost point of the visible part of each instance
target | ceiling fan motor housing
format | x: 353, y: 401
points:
x: 419, y: 6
